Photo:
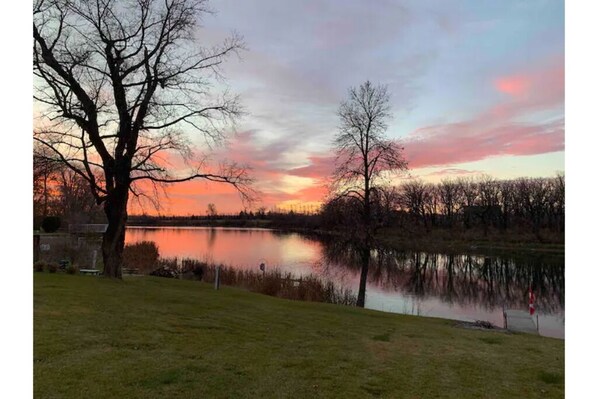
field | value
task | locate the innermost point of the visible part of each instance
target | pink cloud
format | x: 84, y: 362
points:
x: 474, y: 141
x: 454, y: 172
x: 319, y: 167
x: 498, y: 131
x: 513, y: 85
x: 540, y: 86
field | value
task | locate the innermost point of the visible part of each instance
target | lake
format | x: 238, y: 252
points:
x: 464, y: 287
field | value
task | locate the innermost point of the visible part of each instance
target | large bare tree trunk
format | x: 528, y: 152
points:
x: 113, y: 241
x: 140, y: 70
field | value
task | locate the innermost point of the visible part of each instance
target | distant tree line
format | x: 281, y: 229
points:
x: 523, y: 204
x: 58, y: 191
x: 260, y: 217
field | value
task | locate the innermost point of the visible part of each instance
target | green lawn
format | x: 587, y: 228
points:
x: 149, y: 337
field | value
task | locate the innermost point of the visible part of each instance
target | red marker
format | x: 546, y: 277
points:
x: 532, y: 298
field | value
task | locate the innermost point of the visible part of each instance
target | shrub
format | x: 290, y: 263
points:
x: 37, y: 222
x: 193, y: 268
x: 164, y: 271
x: 72, y: 269
x: 51, y: 223
x: 63, y: 264
x: 273, y: 283
x: 142, y: 256
x: 39, y: 266
x: 52, y: 267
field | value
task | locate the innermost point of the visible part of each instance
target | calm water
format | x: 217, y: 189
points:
x: 462, y: 287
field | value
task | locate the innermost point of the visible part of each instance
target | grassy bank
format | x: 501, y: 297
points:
x: 473, y: 241
x: 148, y: 337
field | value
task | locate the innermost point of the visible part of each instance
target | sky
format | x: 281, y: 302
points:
x: 476, y: 88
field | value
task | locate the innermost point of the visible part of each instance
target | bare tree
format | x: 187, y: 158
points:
x: 76, y: 203
x: 118, y: 80
x: 387, y: 203
x: 211, y: 211
x: 489, y: 198
x: 365, y: 160
x: 534, y: 194
x: 431, y: 204
x: 559, y: 200
x: 44, y: 179
x: 413, y: 199
x: 506, y: 199
x: 469, y: 193
x: 449, y: 198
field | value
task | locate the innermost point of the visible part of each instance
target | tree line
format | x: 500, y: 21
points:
x: 522, y: 204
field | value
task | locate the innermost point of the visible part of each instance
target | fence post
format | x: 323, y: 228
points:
x: 263, y: 269
x: 217, y: 279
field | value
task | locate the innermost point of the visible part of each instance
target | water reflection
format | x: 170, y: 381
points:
x: 456, y: 286
x: 211, y: 238
x: 489, y: 282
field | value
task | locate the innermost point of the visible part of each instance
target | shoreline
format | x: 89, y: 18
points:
x: 435, y: 241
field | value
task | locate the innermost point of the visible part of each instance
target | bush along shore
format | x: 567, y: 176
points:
x: 143, y: 257
x: 273, y: 283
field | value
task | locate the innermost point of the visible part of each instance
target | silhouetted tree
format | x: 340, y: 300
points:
x: 117, y: 80
x: 489, y: 191
x: 448, y: 191
x: 507, y: 200
x: 558, y: 200
x: 365, y: 157
x: 45, y: 176
x: 413, y: 199
x: 212, y: 210
x: 74, y: 200
x: 469, y: 197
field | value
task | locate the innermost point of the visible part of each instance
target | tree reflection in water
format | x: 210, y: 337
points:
x: 489, y: 282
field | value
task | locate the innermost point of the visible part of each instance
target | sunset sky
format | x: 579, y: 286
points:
x: 476, y: 87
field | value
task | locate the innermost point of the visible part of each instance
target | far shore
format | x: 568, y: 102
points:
x: 438, y: 240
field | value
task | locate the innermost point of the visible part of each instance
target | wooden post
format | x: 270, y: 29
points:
x: 263, y: 269
x: 217, y: 279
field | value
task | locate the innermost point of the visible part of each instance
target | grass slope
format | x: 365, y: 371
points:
x: 149, y: 337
